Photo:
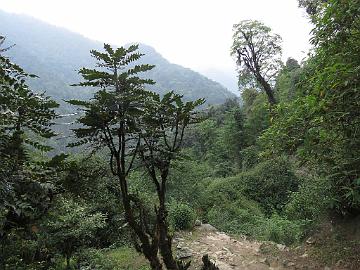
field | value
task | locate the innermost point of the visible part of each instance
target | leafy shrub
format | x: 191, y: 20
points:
x: 17, y: 251
x: 310, y: 201
x: 245, y: 217
x: 70, y: 226
x: 184, y: 183
x: 115, y: 259
x: 282, y: 230
x: 270, y: 183
x: 181, y: 216
x: 245, y: 203
x: 238, y: 217
x: 249, y: 157
x: 226, y: 208
x: 219, y: 190
x: 89, y: 179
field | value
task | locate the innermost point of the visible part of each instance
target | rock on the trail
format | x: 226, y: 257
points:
x: 265, y: 261
x: 310, y: 241
x: 179, y: 239
x: 223, y: 236
x: 257, y: 266
x: 207, y: 228
x: 198, y: 222
x: 289, y: 264
x: 184, y: 253
x: 339, y: 263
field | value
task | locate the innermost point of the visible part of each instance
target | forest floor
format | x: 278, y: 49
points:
x: 241, y: 253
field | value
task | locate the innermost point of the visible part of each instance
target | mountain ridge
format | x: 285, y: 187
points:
x: 55, y: 54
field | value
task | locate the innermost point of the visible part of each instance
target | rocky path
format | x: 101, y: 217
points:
x: 229, y: 253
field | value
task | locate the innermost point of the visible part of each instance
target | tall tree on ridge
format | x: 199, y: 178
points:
x: 258, y: 55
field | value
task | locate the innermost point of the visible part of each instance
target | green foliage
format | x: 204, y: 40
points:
x: 22, y: 110
x: 18, y: 249
x: 237, y: 216
x: 286, y: 81
x: 289, y: 130
x: 321, y: 127
x: 205, y: 136
x: 269, y: 172
x: 70, y: 226
x: 270, y: 183
x: 164, y: 122
x: 225, y: 206
x: 312, y: 7
x: 219, y: 191
x: 136, y: 126
x: 113, y: 259
x: 250, y: 157
x: 246, y: 203
x: 281, y: 230
x: 184, y: 178
x: 120, y: 100
x: 88, y: 178
x: 27, y: 196
x: 256, y: 114
x: 181, y: 216
x: 25, y: 121
x: 219, y: 139
x: 311, y: 201
x: 244, y: 216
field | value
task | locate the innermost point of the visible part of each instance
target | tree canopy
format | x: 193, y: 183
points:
x: 258, y: 55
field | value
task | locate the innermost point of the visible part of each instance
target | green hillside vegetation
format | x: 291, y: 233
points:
x: 283, y: 166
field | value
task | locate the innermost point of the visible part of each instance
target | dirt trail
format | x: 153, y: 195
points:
x: 229, y: 253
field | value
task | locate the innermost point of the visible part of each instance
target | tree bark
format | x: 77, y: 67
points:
x: 149, y: 250
x: 165, y: 238
x: 68, y: 262
x: 267, y: 88
x: 166, y: 242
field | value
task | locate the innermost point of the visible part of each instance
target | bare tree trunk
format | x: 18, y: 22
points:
x: 267, y: 88
x: 150, y: 251
x: 68, y: 262
x: 165, y: 241
x: 149, y: 245
x: 148, y: 248
x: 165, y: 238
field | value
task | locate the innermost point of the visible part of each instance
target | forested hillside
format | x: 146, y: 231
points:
x: 157, y: 176
x: 55, y: 55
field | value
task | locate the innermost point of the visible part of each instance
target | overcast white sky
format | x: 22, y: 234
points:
x: 193, y: 33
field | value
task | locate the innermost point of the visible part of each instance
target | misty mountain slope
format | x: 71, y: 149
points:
x: 55, y: 55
